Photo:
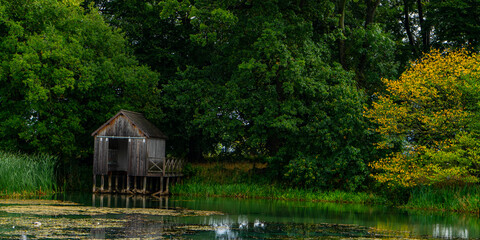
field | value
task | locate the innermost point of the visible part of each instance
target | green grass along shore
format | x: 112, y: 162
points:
x: 31, y: 176
x: 246, y: 190
x: 225, y: 180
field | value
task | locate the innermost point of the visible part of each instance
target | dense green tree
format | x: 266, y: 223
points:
x: 429, y: 119
x: 455, y: 22
x: 259, y: 78
x: 62, y: 73
x: 285, y: 97
x: 160, y: 33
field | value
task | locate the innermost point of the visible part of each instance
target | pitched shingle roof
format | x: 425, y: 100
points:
x: 138, y: 120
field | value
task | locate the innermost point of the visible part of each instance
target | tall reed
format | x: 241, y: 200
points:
x: 452, y: 198
x: 250, y: 190
x: 27, y: 175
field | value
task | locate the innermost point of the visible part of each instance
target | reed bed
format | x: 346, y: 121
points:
x: 220, y: 180
x: 24, y: 175
x: 248, y: 181
x: 249, y: 190
x: 452, y: 198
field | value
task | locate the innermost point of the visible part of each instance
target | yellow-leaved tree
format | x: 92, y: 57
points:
x: 429, y: 119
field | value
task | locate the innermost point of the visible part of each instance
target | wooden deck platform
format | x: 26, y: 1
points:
x: 160, y: 174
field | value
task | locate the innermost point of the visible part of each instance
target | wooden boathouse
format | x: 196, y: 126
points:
x: 130, y: 154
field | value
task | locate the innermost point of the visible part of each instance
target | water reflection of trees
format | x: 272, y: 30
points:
x: 398, y: 222
x: 298, y: 218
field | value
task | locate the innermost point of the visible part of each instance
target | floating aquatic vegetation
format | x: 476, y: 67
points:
x: 34, y: 202
x: 57, y: 208
x: 40, y: 219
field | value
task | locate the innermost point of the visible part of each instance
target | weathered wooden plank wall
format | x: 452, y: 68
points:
x: 100, y: 157
x: 156, y: 148
x: 137, y: 155
x: 120, y: 127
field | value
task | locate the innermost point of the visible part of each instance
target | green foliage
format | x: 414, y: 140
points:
x: 431, y: 112
x: 374, y: 56
x: 244, y: 190
x: 303, y: 172
x: 244, y: 180
x: 258, y: 78
x: 451, y: 28
x: 22, y: 174
x: 453, y: 198
x: 62, y: 73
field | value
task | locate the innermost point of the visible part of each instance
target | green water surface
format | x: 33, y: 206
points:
x: 249, y: 219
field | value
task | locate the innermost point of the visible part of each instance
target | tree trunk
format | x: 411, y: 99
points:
x: 369, y: 19
x: 341, y: 24
x: 406, y: 24
x: 423, y: 28
x: 371, y: 9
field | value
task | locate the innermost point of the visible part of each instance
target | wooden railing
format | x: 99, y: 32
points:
x: 155, y: 165
x: 166, y: 166
x: 173, y: 166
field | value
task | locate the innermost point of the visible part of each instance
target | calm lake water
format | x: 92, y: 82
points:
x: 268, y: 219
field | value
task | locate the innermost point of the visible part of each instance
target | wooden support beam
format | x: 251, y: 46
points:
x: 168, y: 180
x: 160, y: 188
x: 144, y: 185
x: 135, y: 183
x: 94, y: 183
x: 161, y: 185
x: 128, y: 183
x: 102, y: 183
x: 151, y: 184
x: 116, y: 183
x: 110, y: 182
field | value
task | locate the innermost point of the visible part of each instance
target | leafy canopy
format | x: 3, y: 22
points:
x: 62, y: 71
x: 429, y: 119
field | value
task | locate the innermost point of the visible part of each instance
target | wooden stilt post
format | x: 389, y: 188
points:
x: 109, y: 200
x: 161, y: 185
x: 116, y: 183
x: 110, y: 182
x: 101, y: 200
x: 93, y: 200
x: 102, y: 183
x: 94, y: 183
x: 166, y: 190
x: 151, y: 185
x: 145, y: 185
x: 128, y: 183
x: 135, y: 183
